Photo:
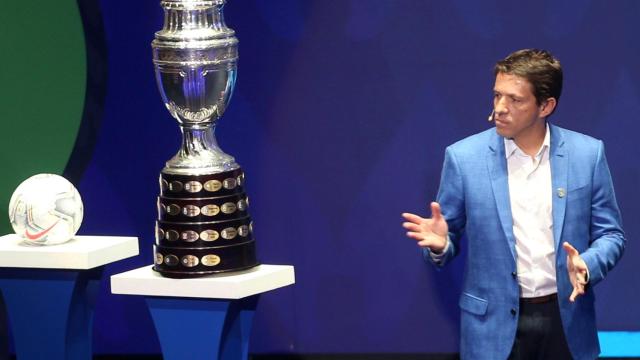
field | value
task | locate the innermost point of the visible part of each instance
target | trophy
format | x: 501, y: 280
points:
x: 203, y: 224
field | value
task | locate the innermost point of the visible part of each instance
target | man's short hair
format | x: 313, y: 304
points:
x: 538, y: 67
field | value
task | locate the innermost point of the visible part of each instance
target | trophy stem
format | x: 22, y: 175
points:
x: 200, y: 152
x: 198, y: 139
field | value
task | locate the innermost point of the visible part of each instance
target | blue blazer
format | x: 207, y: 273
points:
x: 474, y: 197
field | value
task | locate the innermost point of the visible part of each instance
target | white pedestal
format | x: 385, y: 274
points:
x: 218, y: 309
x: 82, y: 252
x: 236, y: 285
x: 52, y: 290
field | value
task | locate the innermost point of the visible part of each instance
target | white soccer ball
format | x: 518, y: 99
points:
x: 46, y: 209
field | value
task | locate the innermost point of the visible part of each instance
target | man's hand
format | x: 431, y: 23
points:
x: 577, y: 271
x: 430, y: 232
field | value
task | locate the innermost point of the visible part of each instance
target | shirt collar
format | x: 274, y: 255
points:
x: 510, y: 146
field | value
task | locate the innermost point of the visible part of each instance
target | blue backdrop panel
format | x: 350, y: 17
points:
x: 340, y: 118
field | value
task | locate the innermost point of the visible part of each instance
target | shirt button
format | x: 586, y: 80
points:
x: 514, y: 274
x: 513, y: 312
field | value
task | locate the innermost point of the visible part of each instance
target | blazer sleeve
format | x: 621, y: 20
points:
x: 451, y: 200
x: 607, y: 241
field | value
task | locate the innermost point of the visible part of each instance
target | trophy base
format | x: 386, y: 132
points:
x: 203, y: 225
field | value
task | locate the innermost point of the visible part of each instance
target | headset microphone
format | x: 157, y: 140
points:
x: 492, y: 116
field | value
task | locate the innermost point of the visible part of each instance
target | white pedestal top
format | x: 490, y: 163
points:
x: 235, y: 285
x: 81, y: 252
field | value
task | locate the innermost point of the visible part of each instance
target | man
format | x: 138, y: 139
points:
x: 519, y: 192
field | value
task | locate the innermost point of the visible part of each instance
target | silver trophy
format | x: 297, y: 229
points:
x: 202, y: 200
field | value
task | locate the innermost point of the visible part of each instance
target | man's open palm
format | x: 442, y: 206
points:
x: 429, y: 232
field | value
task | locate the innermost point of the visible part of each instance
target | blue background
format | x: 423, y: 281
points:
x: 340, y: 118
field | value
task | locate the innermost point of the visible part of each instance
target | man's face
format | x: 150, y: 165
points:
x: 517, y: 114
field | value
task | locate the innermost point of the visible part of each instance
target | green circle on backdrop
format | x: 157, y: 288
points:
x: 42, y: 89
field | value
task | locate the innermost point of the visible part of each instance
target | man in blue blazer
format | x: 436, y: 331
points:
x: 520, y: 192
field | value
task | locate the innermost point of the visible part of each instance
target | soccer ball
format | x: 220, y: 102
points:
x: 46, y: 209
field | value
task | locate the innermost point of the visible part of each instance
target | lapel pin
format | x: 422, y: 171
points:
x: 561, y: 192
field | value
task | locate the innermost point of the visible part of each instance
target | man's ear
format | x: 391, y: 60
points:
x: 547, y: 107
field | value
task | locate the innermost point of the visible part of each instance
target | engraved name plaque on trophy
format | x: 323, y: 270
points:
x: 203, y: 222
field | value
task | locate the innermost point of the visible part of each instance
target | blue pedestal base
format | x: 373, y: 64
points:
x: 195, y: 329
x: 50, y: 311
x: 4, y: 332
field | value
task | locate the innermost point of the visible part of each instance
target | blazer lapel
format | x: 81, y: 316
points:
x: 497, y: 164
x: 559, y: 159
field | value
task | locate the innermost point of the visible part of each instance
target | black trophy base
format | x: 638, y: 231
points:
x: 203, y: 225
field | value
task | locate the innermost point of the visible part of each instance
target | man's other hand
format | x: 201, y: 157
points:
x: 577, y: 269
x: 429, y: 232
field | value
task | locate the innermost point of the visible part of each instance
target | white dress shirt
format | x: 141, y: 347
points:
x: 530, y: 194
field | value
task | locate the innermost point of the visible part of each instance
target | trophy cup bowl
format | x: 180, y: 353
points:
x: 203, y: 224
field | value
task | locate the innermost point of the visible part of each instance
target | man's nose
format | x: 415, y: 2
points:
x: 500, y: 105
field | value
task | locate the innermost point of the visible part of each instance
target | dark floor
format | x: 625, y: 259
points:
x: 318, y: 357
x: 307, y: 357
x: 321, y: 357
